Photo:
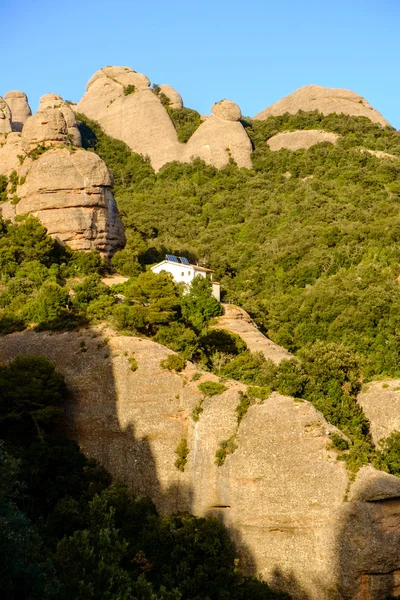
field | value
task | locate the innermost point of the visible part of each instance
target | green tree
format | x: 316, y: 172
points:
x: 199, y: 306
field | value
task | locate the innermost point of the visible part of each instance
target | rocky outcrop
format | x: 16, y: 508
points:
x: 5, y: 117
x: 326, y: 101
x: 380, y: 402
x: 55, y: 101
x: 237, y: 320
x: 221, y: 137
x: 175, y: 99
x: 69, y: 190
x: 302, y: 139
x: 19, y: 107
x: 54, y: 121
x: 285, y: 499
x: 121, y: 101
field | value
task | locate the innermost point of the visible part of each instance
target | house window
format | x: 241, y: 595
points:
x: 183, y: 274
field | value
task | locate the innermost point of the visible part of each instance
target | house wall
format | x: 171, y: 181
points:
x: 180, y: 272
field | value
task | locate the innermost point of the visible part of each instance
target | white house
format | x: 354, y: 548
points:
x: 182, y: 271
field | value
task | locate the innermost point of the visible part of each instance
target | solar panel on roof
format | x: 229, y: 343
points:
x: 184, y: 260
x: 172, y: 258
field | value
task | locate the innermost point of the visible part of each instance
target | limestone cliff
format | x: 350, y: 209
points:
x: 66, y: 187
x: 125, y: 106
x: 303, y: 139
x: 282, y: 494
x: 326, y: 101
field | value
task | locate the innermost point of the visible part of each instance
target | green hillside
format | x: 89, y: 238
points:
x: 307, y: 242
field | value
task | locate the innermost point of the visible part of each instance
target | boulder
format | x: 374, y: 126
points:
x: 290, y: 506
x: 19, y: 107
x: 326, y: 101
x: 302, y: 139
x: 5, y: 117
x: 227, y: 110
x: 69, y: 190
x: 173, y: 96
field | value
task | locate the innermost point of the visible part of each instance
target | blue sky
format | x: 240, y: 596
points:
x: 252, y: 52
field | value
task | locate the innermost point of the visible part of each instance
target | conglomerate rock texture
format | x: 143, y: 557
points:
x: 66, y: 187
x: 287, y: 502
x: 326, y: 101
x: 125, y: 106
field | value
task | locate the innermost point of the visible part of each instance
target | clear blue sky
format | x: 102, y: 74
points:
x: 253, y: 52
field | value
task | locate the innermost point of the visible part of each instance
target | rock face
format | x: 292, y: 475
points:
x: 381, y: 404
x: 5, y: 117
x: 173, y: 96
x: 70, y: 192
x: 326, y: 101
x: 121, y: 101
x: 19, y: 107
x: 54, y: 121
x: 67, y: 188
x: 282, y: 494
x: 237, y: 320
x: 296, y: 140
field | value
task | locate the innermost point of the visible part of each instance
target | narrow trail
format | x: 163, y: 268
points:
x: 236, y: 320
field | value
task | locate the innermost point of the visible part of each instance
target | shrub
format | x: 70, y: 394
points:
x: 226, y: 447
x: 211, y: 388
x: 259, y: 393
x: 173, y: 362
x: 182, y: 452
x: 244, y: 404
x: 129, y: 89
x: 133, y: 364
x: 198, y: 409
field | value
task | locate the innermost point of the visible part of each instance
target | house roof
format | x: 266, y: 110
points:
x: 195, y: 267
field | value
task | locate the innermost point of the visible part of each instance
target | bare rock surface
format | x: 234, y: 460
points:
x: 11, y: 147
x: 173, y: 96
x: 69, y: 190
x: 55, y: 101
x: 121, y: 101
x: 19, y: 107
x: 326, y: 101
x: 282, y: 494
x: 380, y: 154
x: 237, y: 320
x: 48, y: 124
x: 302, y: 139
x: 227, y: 110
x: 5, y: 117
x: 216, y: 140
x: 381, y: 404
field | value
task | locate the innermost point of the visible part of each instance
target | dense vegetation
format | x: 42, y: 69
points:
x: 307, y: 242
x: 67, y: 531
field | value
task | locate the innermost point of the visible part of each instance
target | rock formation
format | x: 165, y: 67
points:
x: 380, y: 402
x: 121, y: 101
x: 175, y: 99
x: 220, y: 137
x: 19, y: 107
x: 70, y: 192
x: 5, y: 117
x: 287, y: 502
x: 67, y: 188
x: 296, y: 140
x: 326, y: 101
x: 237, y: 320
